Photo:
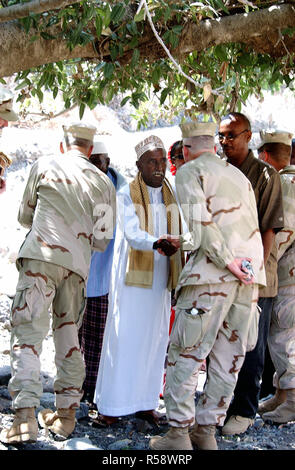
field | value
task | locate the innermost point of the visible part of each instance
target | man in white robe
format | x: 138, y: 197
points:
x: 136, y: 336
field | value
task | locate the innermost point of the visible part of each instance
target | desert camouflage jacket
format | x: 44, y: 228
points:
x: 219, y: 207
x: 70, y: 207
x: 285, y: 239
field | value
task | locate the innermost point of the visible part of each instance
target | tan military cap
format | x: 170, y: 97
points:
x: 5, y: 161
x: 80, y: 130
x: 149, y: 143
x: 99, y: 147
x: 195, y: 129
x: 275, y: 137
x: 6, y: 104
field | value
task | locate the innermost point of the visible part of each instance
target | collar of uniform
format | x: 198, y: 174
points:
x: 76, y: 153
x: 247, y: 163
x: 288, y: 169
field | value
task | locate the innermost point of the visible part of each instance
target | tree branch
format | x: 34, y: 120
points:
x: 258, y: 30
x: 21, y: 10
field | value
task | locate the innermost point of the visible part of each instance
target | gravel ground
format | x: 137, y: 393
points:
x: 130, y: 433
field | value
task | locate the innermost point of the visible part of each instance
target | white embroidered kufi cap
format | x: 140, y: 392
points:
x: 6, y: 104
x: 149, y: 143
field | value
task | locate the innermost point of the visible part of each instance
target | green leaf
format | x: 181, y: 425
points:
x: 81, y: 110
x: 124, y: 100
x: 117, y: 13
x: 55, y: 92
x: 135, y: 57
x: 98, y: 25
x: 164, y: 95
x: 108, y: 70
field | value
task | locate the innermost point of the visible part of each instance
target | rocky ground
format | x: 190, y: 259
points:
x: 130, y: 433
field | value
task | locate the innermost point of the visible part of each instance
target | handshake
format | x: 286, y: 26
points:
x: 167, y: 245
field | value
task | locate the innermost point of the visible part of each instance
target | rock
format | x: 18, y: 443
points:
x: 82, y: 412
x: 48, y: 401
x: 80, y: 443
x: 47, y: 383
x: 120, y: 445
x: 5, y: 393
x: 5, y: 374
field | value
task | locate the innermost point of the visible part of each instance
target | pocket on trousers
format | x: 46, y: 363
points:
x: 189, y: 329
x: 253, y: 330
x: 284, y: 313
x: 27, y: 302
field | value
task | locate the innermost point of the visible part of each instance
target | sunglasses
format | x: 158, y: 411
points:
x: 230, y: 136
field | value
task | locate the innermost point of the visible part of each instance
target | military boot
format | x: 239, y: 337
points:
x: 174, y: 439
x: 284, y: 412
x: 203, y: 436
x: 61, y: 422
x: 272, y: 403
x: 24, y: 428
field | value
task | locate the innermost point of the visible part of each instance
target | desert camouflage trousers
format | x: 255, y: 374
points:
x: 43, y: 287
x: 281, y: 341
x: 226, y: 329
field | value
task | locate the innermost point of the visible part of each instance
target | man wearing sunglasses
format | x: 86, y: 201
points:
x: 234, y: 137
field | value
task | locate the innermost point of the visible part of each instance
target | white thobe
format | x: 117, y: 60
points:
x: 130, y: 376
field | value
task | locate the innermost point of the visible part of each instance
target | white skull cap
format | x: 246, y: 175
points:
x: 149, y: 143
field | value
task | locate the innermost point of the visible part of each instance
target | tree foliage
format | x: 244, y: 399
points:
x: 128, y: 59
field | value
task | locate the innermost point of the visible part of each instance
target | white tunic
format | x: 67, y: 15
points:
x: 130, y: 376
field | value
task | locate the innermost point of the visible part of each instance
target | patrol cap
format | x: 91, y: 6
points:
x: 5, y: 161
x: 99, y: 147
x: 6, y: 104
x: 195, y: 129
x: 80, y: 130
x: 275, y: 137
x: 149, y: 143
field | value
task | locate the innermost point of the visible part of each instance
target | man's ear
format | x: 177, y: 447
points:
x: 185, y: 152
x: 249, y: 136
x: 263, y: 156
x: 61, y: 147
x: 90, y: 151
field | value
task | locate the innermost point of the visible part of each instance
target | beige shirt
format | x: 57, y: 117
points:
x: 219, y: 207
x: 285, y: 239
x: 70, y: 207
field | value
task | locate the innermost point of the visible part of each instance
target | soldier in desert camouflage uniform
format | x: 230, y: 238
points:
x: 275, y: 150
x: 216, y: 314
x: 69, y: 206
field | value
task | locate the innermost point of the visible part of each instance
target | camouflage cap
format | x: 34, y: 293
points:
x: 99, y: 147
x: 275, y: 137
x: 80, y: 130
x: 5, y: 161
x: 195, y: 129
x: 149, y: 143
x: 6, y: 104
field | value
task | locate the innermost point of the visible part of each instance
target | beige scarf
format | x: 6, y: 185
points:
x: 140, y: 265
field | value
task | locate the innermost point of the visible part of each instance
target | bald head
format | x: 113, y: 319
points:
x: 239, y: 118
